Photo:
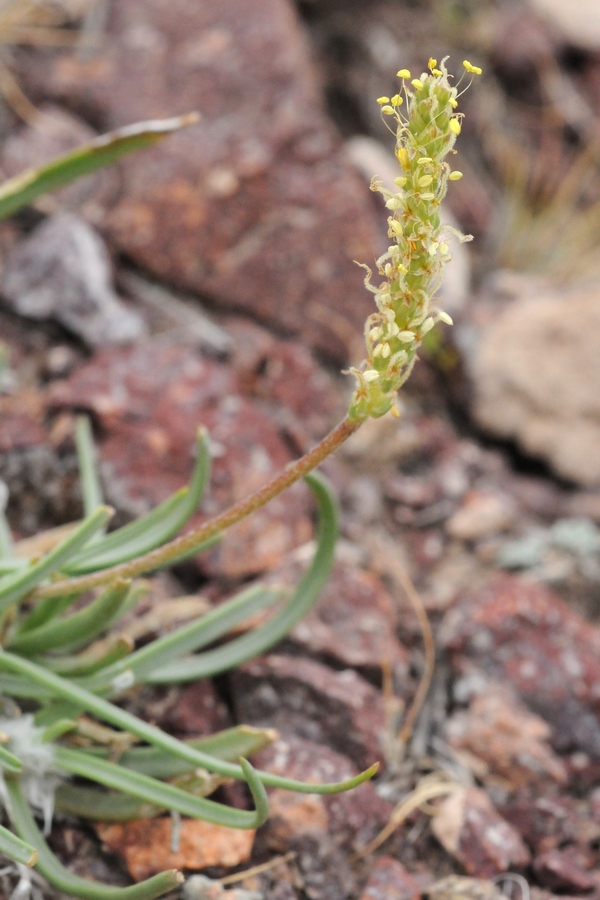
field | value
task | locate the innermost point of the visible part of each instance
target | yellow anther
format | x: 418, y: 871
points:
x: 382, y: 100
x: 444, y: 317
x: 387, y: 110
x: 397, y: 100
x: 403, y: 73
x: 453, y: 103
x: 455, y: 176
x: 427, y: 325
x: 454, y: 126
x: 423, y: 160
x: 443, y: 251
x: 385, y: 350
x: 403, y: 157
x: 417, y: 83
x: 395, y: 228
x: 437, y: 72
x: 400, y: 181
x: 393, y: 203
x: 425, y: 180
x: 395, y: 412
x: 474, y: 70
x: 407, y: 337
x: 432, y: 63
x: 375, y: 333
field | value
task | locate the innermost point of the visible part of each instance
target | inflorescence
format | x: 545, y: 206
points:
x: 412, y: 267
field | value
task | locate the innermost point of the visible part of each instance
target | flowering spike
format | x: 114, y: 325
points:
x: 411, y: 269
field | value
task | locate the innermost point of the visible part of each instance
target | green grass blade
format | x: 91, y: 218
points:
x: 63, y: 880
x: 10, y: 565
x: 81, y: 627
x: 262, y: 638
x: 80, y: 699
x: 43, y: 612
x: 9, y: 762
x: 167, y: 796
x: 17, y: 849
x: 6, y: 541
x: 197, y: 634
x: 149, y: 531
x: 229, y: 745
x: 88, y: 472
x: 90, y: 660
x: 13, y: 587
x: 33, y: 183
x: 102, y: 806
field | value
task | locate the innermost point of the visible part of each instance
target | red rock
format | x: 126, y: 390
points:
x: 475, y: 834
x: 351, y: 818
x: 561, y: 870
x: 256, y: 207
x: 305, y: 699
x: 507, y: 739
x: 352, y: 625
x: 521, y: 632
x: 389, y: 880
x: 195, y: 709
x: 149, y: 401
x: 546, y: 823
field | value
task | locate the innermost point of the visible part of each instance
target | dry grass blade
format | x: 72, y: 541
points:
x: 258, y: 870
x: 428, y: 789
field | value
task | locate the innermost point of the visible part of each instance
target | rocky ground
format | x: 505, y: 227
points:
x: 211, y: 280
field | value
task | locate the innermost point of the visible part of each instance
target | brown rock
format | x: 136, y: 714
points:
x: 520, y: 632
x: 145, y: 845
x: 305, y: 699
x: 389, y: 880
x: 562, y: 870
x: 150, y: 401
x: 510, y: 742
x: 544, y: 398
x: 469, y: 828
x: 196, y: 710
x: 256, y: 207
x: 352, y: 625
x: 548, y: 823
x: 351, y: 819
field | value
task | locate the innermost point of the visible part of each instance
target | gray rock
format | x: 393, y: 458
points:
x: 535, y: 369
x: 62, y: 272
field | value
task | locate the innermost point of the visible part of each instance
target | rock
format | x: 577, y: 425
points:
x: 389, y: 880
x: 150, y: 401
x: 519, y: 632
x: 534, y: 372
x: 351, y: 819
x: 62, y: 272
x: 549, y: 823
x: 481, y: 515
x: 510, y: 742
x: 256, y: 207
x: 196, y: 709
x: 469, y: 828
x: 306, y: 699
x: 578, y: 23
x: 145, y: 845
x: 199, y: 887
x: 457, y: 887
x: 352, y: 625
x: 561, y: 870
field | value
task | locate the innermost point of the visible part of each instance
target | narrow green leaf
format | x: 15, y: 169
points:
x: 196, y: 634
x: 6, y: 541
x: 45, y: 610
x: 13, y: 587
x: 17, y: 849
x: 230, y: 745
x: 60, y: 877
x: 31, y: 184
x: 9, y: 762
x: 99, y: 656
x: 81, y: 627
x: 102, y: 806
x: 265, y: 636
x: 152, y: 791
x: 152, y: 530
x: 9, y: 565
x: 88, y: 473
x: 80, y: 699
